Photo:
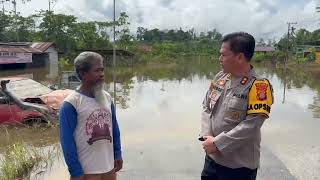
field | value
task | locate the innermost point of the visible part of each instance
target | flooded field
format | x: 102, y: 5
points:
x: 158, y: 108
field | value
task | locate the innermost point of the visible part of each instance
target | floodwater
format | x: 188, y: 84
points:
x: 158, y: 109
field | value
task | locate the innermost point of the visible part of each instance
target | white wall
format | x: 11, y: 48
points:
x: 53, y: 62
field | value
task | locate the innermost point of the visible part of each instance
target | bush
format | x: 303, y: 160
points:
x: 258, y: 57
x: 63, y: 62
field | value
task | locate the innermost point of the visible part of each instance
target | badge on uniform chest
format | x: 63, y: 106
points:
x: 213, y: 94
x: 235, y: 115
x: 216, y: 90
x: 221, y: 82
x: 244, y: 80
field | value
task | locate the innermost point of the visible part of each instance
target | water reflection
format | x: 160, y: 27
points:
x: 187, y: 70
x: 36, y: 136
x: 301, y: 78
x: 158, y: 111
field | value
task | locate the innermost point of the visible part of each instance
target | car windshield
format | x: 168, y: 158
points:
x: 27, y: 88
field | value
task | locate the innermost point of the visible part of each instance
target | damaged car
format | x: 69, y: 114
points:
x: 24, y: 100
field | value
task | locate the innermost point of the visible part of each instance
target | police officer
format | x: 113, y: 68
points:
x: 234, y: 109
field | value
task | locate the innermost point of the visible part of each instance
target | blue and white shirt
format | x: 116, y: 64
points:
x: 89, y: 135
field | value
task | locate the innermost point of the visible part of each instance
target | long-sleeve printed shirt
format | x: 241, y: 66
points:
x: 89, y: 135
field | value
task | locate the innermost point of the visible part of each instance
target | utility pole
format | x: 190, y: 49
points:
x: 286, y: 60
x: 114, y: 53
x: 49, y: 11
x: 50, y: 4
x: 14, y: 7
x: 14, y: 2
x: 288, y: 37
x: 2, y: 2
x: 318, y: 6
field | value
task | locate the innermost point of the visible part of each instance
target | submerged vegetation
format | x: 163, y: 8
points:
x: 27, y: 150
x: 20, y: 159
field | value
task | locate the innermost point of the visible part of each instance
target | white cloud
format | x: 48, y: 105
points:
x: 262, y: 18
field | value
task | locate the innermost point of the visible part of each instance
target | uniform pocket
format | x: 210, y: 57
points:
x: 238, y: 103
x: 237, y: 109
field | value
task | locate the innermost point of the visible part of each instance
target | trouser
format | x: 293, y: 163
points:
x: 104, y: 176
x: 214, y: 171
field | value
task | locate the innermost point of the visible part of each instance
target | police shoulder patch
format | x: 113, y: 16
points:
x: 260, y: 98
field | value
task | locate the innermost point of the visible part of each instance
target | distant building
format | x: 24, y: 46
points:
x: 264, y: 49
x: 316, y: 45
x: 318, y: 57
x: 145, y: 48
x: 307, y: 51
x: 37, y: 54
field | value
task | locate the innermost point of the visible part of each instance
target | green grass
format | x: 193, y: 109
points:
x: 20, y: 160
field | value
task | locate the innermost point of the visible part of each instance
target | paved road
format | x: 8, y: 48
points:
x: 271, y: 168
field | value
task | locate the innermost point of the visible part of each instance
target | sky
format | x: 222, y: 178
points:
x: 263, y: 18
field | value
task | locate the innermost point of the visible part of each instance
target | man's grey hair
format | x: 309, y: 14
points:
x: 84, y: 61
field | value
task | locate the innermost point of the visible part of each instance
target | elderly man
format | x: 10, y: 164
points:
x: 234, y: 109
x: 89, y: 131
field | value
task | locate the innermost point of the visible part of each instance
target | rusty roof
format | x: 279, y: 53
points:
x: 25, y: 47
x: 42, y: 46
x: 19, y: 49
x: 264, y: 49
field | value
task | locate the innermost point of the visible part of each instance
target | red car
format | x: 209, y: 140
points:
x: 23, y: 100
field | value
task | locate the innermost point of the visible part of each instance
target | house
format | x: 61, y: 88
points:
x: 264, y: 49
x: 146, y: 48
x: 48, y: 48
x: 316, y: 45
x: 318, y: 56
x: 316, y: 53
x: 36, y: 54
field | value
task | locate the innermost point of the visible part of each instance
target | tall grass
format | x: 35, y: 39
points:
x: 20, y: 160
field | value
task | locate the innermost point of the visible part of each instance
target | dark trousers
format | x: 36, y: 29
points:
x: 214, y: 171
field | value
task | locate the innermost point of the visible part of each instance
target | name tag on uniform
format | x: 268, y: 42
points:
x: 240, y: 96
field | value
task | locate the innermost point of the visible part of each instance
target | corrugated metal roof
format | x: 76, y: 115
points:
x: 19, y: 49
x: 24, y: 47
x: 42, y: 46
x: 264, y: 49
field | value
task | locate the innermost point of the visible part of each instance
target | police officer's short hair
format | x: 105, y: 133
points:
x: 84, y: 61
x: 241, y: 42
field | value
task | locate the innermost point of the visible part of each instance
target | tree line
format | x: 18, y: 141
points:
x: 70, y: 34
